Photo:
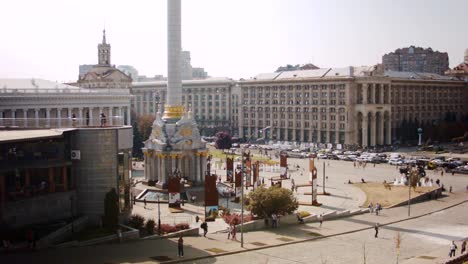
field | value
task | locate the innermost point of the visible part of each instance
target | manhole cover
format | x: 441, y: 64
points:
x: 285, y: 239
x: 216, y: 250
x: 427, y: 257
x: 161, y: 258
x: 260, y: 244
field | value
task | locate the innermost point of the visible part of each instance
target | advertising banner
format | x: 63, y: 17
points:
x: 173, y: 189
x: 211, y: 195
x: 284, y: 165
x: 230, y: 169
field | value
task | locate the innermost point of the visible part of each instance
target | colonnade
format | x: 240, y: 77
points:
x: 374, y: 128
x: 159, y: 166
x: 63, y: 117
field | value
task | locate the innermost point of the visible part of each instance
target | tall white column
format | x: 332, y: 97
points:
x: 174, y: 49
x: 372, y: 130
x: 13, y: 117
x: 25, y: 117
x: 36, y: 116
x: 364, y: 93
x: 128, y: 116
x: 110, y: 115
x: 59, y: 117
x: 91, y: 116
x: 80, y: 116
x: 389, y: 132
x: 48, y: 117
x: 381, y: 130
x: 373, y: 90
x: 364, y: 130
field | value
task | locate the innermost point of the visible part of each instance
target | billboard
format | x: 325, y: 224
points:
x: 229, y: 169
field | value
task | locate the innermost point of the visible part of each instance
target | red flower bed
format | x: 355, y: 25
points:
x: 235, y: 219
x: 165, y: 228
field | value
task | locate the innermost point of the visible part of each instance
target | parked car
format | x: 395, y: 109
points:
x: 395, y: 161
x: 322, y: 156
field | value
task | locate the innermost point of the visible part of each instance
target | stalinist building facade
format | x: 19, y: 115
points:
x: 354, y: 106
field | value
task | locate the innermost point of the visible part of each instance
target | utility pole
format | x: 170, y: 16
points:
x: 409, y: 194
x: 159, y: 216
x: 242, y: 199
x: 323, y: 178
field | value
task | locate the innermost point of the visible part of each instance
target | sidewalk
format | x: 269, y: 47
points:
x: 217, y: 244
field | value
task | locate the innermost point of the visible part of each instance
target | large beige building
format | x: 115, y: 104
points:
x: 354, y: 106
x: 213, y: 101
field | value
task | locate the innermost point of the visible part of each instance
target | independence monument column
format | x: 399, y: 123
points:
x: 173, y: 109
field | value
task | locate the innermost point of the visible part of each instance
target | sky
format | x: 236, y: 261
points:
x: 49, y: 39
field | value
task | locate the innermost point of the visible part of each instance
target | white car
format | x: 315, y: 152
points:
x: 321, y: 156
x: 395, y: 162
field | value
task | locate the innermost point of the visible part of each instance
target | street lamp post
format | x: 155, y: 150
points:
x: 159, y: 216
x: 72, y: 216
x: 242, y: 199
x: 420, y: 136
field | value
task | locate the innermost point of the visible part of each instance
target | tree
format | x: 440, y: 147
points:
x: 111, y: 209
x: 223, y: 140
x: 137, y: 142
x: 145, y: 125
x: 275, y: 200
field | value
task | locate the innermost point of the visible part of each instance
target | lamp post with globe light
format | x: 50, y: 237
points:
x: 420, y: 131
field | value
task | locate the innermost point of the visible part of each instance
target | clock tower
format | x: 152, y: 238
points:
x: 104, y: 49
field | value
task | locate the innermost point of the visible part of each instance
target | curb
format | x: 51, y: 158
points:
x: 310, y: 239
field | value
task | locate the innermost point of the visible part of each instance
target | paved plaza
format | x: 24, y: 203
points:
x: 425, y: 239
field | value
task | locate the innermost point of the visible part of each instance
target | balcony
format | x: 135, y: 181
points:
x: 64, y: 122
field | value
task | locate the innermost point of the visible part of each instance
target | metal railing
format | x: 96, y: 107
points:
x: 64, y: 122
x: 16, y: 91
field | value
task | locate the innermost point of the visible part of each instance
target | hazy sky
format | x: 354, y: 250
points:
x: 234, y: 38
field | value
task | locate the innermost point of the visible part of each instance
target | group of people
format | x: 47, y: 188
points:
x: 453, y: 248
x: 375, y: 208
x: 361, y: 164
x: 232, y: 232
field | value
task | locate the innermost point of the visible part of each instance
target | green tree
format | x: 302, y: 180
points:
x: 137, y: 142
x: 275, y: 200
x: 111, y: 209
x: 144, y: 124
x: 223, y: 140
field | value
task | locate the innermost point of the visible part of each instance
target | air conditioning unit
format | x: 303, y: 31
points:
x: 75, y: 155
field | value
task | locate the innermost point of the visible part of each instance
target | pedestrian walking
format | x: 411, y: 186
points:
x: 371, y: 207
x: 144, y: 202
x: 463, y: 247
x: 204, y: 226
x: 197, y: 218
x: 274, y: 220
x: 320, y: 219
x: 450, y: 189
x: 234, y: 232
x: 442, y: 173
x: 180, y: 246
x: 119, y: 235
x: 453, y: 249
x: 376, y: 227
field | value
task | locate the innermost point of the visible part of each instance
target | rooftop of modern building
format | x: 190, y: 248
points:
x: 41, y: 86
x: 346, y: 73
x: 30, y: 134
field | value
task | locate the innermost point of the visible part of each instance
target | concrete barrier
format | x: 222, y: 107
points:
x: 128, y: 235
x: 195, y: 231
x: 62, y: 233
x: 329, y: 215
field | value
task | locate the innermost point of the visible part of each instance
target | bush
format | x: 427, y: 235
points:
x: 182, y: 226
x: 136, y: 221
x: 150, y: 224
x: 304, y: 214
x: 274, y: 200
x: 165, y: 228
x: 235, y: 219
